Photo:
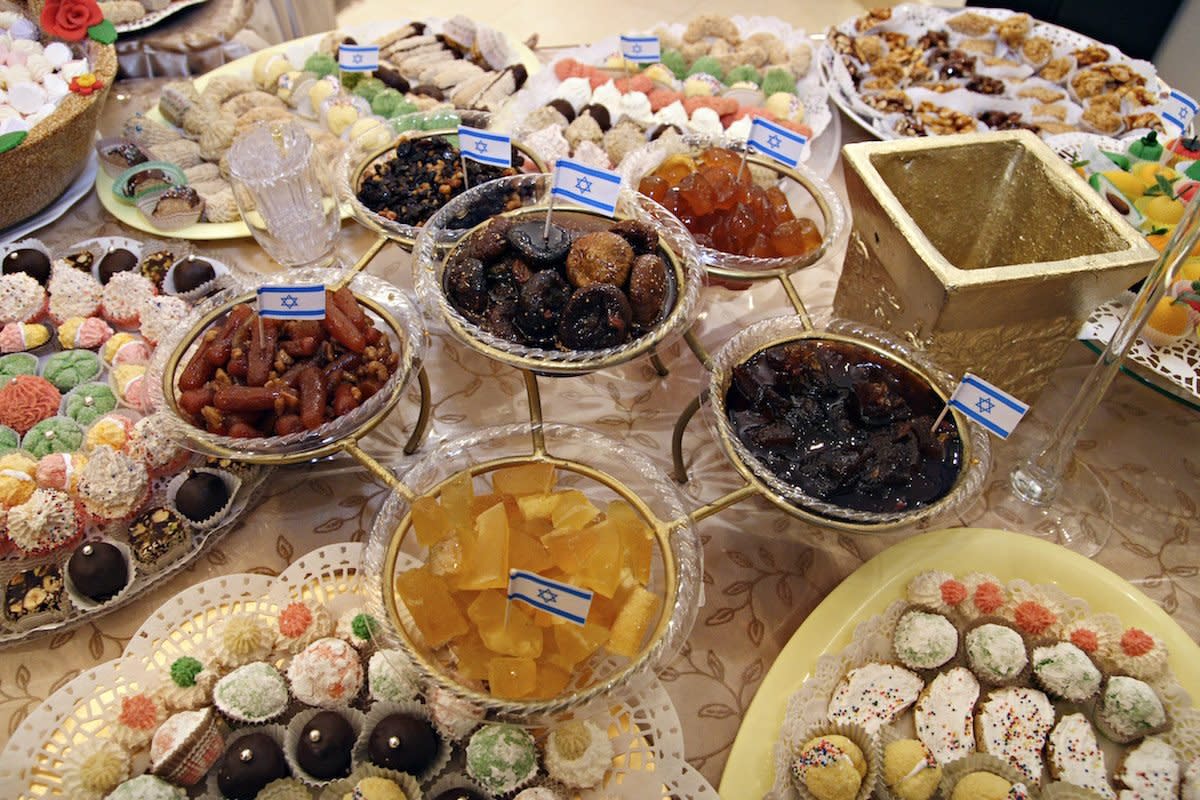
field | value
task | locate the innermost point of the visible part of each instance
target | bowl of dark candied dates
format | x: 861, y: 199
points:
x: 396, y: 187
x: 584, y: 293
x: 838, y: 425
x: 276, y: 390
x: 748, y: 218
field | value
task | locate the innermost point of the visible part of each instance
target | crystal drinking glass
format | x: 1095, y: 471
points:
x: 286, y: 194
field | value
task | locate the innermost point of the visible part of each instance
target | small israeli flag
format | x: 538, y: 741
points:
x: 292, y: 302
x: 560, y: 599
x: 588, y: 186
x: 994, y: 409
x: 776, y: 141
x: 1180, y: 109
x: 484, y: 146
x: 358, y: 57
x: 641, y: 49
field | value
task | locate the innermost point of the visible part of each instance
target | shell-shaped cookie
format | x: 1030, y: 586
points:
x: 221, y: 207
x: 223, y: 87
x: 217, y: 138
x: 147, y: 133
x: 183, y: 153
x: 240, y: 104
x: 176, y: 98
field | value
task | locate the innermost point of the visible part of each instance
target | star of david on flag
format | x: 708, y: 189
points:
x: 786, y: 147
x: 554, y: 597
x: 291, y: 302
x: 484, y: 146
x: 1180, y: 110
x: 641, y: 49
x: 358, y: 57
x: 595, y: 188
x: 993, y: 408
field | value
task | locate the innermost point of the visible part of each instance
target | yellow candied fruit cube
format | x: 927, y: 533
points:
x: 472, y: 656
x: 485, y: 562
x: 518, y: 636
x: 526, y: 479
x: 526, y: 552
x: 636, y: 539
x: 537, y: 506
x: 571, y: 548
x: 603, y: 611
x: 574, y: 643
x: 430, y: 521
x: 446, y: 557
x: 512, y: 677
x: 573, y: 510
x: 456, y: 497
x: 601, y: 570
x: 431, y: 605
x: 551, y: 680
x: 636, y: 617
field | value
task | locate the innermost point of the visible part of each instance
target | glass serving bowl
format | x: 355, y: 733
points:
x: 435, y: 248
x: 364, y: 152
x: 808, y: 194
x: 603, y: 470
x: 761, y: 335
x: 391, y: 311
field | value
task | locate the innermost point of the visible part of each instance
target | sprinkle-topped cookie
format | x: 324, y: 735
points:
x: 873, y: 695
x: 945, y: 715
x: 1150, y: 771
x: 1012, y: 724
x: 1075, y: 756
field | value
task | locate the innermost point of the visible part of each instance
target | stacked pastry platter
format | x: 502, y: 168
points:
x: 99, y: 502
x: 716, y: 74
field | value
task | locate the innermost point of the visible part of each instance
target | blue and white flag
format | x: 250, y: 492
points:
x: 560, y: 599
x: 994, y: 409
x: 595, y: 188
x: 776, y: 141
x: 641, y: 49
x: 358, y: 57
x: 1179, y: 111
x: 484, y: 146
x: 292, y: 302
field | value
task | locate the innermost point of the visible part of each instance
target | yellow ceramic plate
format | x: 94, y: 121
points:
x: 750, y: 771
x: 294, y: 49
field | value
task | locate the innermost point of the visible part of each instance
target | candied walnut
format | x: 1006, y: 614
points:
x: 1057, y: 69
x: 1002, y: 120
x: 909, y: 126
x: 894, y: 39
x: 951, y: 64
x: 941, y: 120
x: 873, y: 17
x: 1145, y: 119
x: 869, y: 49
x: 934, y: 40
x: 1013, y: 30
x: 879, y: 85
x: 941, y: 87
x: 1103, y: 79
x: 970, y: 23
x: 1102, y: 119
x: 842, y: 44
x: 1139, y: 95
x: 889, y: 69
x: 889, y: 102
x: 985, y: 85
x: 1037, y: 50
x: 1092, y: 54
x: 1109, y: 100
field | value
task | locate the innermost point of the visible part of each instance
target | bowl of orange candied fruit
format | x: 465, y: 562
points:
x: 562, y: 503
x: 752, y: 217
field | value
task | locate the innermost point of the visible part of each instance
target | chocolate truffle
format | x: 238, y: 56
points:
x: 599, y: 113
x: 324, y: 747
x: 460, y: 794
x: 192, y: 273
x: 119, y: 260
x: 98, y: 570
x: 403, y: 742
x: 563, y: 107
x: 201, y: 495
x: 33, y: 263
x: 249, y: 764
x: 154, y: 266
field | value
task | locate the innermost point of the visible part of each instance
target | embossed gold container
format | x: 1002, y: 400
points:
x: 986, y: 250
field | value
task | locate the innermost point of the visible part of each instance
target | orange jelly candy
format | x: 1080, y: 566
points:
x: 654, y: 187
x: 796, y: 238
x: 634, y: 620
x: 699, y: 195
x: 505, y: 631
x: 675, y: 168
x: 432, y: 607
x: 430, y: 521
x: 512, y: 677
x: 781, y: 210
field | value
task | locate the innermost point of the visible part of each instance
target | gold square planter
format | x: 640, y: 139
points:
x: 986, y: 250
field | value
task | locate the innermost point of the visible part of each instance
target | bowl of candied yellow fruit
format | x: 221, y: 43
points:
x: 561, y: 503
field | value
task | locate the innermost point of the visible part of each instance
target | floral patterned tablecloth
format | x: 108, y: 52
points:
x: 764, y: 571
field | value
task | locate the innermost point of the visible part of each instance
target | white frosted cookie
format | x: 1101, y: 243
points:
x: 1191, y: 781
x: 945, y: 715
x: 1012, y: 724
x: 1150, y: 771
x: 1129, y: 709
x: 1074, y: 756
x: 873, y: 695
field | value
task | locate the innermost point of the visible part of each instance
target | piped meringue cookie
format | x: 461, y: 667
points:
x: 673, y: 114
x: 636, y: 106
x: 576, y: 91
x: 705, y: 121
x: 609, y: 96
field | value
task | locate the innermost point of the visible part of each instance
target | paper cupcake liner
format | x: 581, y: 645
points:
x: 276, y: 732
x: 114, y: 169
x: 174, y: 173
x: 37, y: 618
x: 167, y: 221
x: 179, y: 250
x: 888, y: 735
x: 1022, y: 678
x: 88, y: 604
x: 378, y: 712
x: 62, y: 408
x: 188, y: 765
x: 131, y: 245
x: 345, y: 786
x: 871, y: 750
x: 1061, y: 790
x: 221, y: 276
x: 955, y: 771
x: 456, y: 780
x: 356, y: 719
x: 168, y: 557
x: 928, y: 673
x: 28, y: 244
x: 232, y: 484
x: 81, y: 520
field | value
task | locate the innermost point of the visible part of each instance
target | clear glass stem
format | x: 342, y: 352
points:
x: 1037, y: 479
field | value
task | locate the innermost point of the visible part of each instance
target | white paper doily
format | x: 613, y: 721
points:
x: 646, y: 733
